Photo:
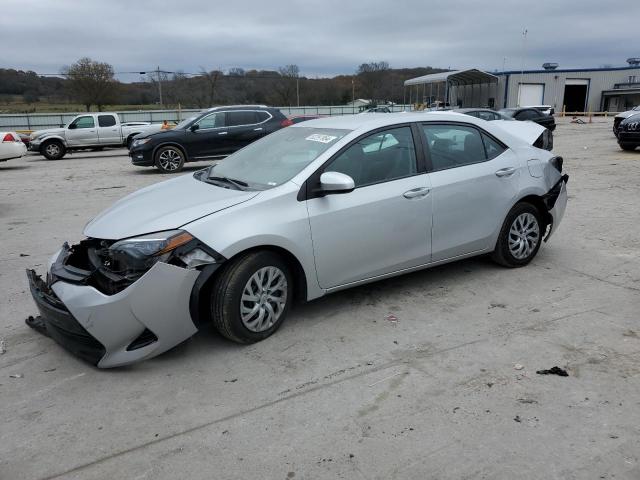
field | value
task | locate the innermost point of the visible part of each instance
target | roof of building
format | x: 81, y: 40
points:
x: 455, y: 77
x: 568, y: 70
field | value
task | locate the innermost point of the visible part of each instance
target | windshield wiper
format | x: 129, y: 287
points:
x: 238, y: 184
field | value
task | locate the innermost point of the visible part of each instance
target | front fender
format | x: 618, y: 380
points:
x: 46, y: 138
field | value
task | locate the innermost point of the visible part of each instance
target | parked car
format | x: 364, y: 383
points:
x: 484, y: 113
x: 544, y: 140
x: 11, y: 146
x: 212, y: 134
x: 377, y: 110
x: 621, y: 116
x: 629, y: 132
x: 87, y: 131
x: 546, y: 109
x: 308, y: 210
x: 525, y: 113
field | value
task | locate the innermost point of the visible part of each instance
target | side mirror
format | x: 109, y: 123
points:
x: 336, y: 182
x: 194, y: 127
x: 72, y: 126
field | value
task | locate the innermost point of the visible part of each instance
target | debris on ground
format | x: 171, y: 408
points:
x: 497, y: 305
x: 517, y: 419
x: 37, y: 323
x: 518, y: 366
x: 3, y: 347
x: 391, y: 318
x: 16, y: 375
x: 24, y: 254
x: 553, y: 371
x: 527, y: 400
x: 49, y: 370
x: 233, y: 380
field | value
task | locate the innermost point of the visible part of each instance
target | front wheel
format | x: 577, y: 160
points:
x: 251, y: 297
x: 169, y: 159
x: 53, y: 150
x: 520, y: 236
x: 627, y: 146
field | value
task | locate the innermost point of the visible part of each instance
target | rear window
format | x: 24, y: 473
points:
x: 106, y: 120
x: 241, y: 118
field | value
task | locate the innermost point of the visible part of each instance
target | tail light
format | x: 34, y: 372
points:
x: 557, y: 163
x: 9, y: 138
x: 286, y: 123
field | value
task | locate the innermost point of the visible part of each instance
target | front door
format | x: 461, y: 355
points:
x: 209, y: 139
x: 382, y: 226
x: 82, y: 131
x: 474, y: 183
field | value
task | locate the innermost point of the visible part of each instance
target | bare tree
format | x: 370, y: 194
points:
x: 372, y: 78
x: 91, y: 82
x: 288, y: 83
x: 209, y: 83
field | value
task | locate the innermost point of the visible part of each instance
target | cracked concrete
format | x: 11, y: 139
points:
x: 340, y: 391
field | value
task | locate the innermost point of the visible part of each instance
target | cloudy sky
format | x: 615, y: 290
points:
x: 323, y: 37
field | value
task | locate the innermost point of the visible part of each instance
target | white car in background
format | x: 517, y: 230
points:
x: 11, y: 146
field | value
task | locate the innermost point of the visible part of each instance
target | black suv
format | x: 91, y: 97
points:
x: 212, y: 134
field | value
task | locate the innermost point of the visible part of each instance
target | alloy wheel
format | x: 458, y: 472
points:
x: 170, y: 160
x: 53, y: 149
x: 524, y: 236
x: 263, y: 299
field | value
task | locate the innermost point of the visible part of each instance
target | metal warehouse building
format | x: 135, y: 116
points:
x: 575, y: 90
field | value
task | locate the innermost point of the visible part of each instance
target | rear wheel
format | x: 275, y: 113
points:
x: 251, y: 297
x: 53, y: 150
x: 520, y: 236
x: 169, y: 159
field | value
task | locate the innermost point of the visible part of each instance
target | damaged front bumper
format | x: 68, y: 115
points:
x: 139, y: 321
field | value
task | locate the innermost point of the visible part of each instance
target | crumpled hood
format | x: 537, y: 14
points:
x: 48, y: 131
x: 163, y: 206
x: 526, y: 131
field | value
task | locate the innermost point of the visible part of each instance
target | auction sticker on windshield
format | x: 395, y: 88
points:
x: 317, y: 137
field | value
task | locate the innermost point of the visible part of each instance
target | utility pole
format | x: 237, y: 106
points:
x: 159, y: 85
x: 298, y: 89
x: 353, y: 94
x: 524, y: 45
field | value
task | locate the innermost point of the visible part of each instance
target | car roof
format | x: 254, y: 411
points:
x: 368, y: 122
x: 239, y: 107
x: 479, y: 109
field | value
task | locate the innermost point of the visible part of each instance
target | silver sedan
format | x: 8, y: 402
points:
x: 311, y: 209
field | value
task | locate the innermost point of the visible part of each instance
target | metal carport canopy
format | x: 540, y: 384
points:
x: 455, y: 77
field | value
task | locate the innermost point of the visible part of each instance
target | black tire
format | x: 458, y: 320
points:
x: 53, y: 150
x: 503, y: 253
x: 97, y: 149
x: 227, y: 296
x: 628, y: 146
x: 169, y: 159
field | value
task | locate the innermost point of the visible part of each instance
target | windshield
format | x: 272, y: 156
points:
x: 186, y: 122
x: 278, y: 157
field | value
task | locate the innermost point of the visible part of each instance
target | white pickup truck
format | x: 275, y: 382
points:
x: 90, y: 130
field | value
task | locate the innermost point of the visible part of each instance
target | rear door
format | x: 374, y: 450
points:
x: 109, y: 130
x: 474, y: 181
x: 82, y: 131
x: 242, y: 129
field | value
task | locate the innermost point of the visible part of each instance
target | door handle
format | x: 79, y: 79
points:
x: 223, y: 133
x: 257, y: 129
x: 417, y: 192
x: 505, y: 172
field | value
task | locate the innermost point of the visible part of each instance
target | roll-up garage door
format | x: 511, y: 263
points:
x: 530, y: 94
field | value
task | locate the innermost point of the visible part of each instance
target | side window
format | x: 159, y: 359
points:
x: 453, y: 146
x: 262, y: 116
x: 241, y: 118
x: 84, y: 122
x: 491, y: 147
x: 380, y: 157
x: 214, y: 120
x: 106, y: 120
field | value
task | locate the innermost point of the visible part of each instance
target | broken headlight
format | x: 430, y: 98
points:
x: 141, y: 253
